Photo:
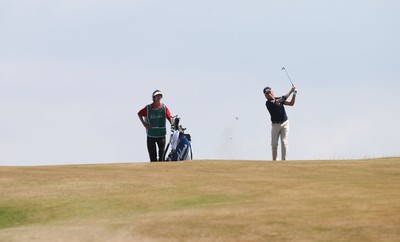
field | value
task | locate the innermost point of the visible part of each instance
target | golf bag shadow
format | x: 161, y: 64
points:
x: 179, y: 144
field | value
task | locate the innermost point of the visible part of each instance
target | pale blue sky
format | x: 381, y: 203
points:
x: 74, y: 74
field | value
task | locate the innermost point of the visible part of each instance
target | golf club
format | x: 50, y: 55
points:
x: 284, y: 69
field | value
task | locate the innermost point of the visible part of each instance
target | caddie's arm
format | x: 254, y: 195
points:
x: 146, y: 125
x: 168, y: 115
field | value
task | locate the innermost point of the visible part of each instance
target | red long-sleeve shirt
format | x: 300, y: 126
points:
x: 143, y: 112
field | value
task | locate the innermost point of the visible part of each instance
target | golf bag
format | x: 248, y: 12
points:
x: 179, y: 143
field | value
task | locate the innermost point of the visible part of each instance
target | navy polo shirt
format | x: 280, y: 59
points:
x: 277, y: 112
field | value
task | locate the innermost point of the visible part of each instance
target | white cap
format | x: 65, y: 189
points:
x: 157, y: 93
x: 267, y: 89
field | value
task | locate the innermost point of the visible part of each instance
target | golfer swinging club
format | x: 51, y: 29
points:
x: 280, y: 122
x: 153, y: 118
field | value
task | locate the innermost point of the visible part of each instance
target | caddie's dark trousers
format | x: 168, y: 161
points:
x: 151, y: 147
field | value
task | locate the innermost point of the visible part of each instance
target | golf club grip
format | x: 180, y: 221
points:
x: 176, y: 124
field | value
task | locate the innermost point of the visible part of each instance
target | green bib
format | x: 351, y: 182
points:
x: 156, y: 118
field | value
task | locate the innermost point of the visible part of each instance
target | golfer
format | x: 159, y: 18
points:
x: 153, y: 118
x: 279, y: 119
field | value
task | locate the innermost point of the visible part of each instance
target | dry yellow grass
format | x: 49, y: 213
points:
x: 357, y: 200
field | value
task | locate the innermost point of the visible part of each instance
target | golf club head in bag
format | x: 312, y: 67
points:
x: 179, y: 145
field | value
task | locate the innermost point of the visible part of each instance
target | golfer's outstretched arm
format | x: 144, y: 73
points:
x: 292, y: 101
x: 290, y: 92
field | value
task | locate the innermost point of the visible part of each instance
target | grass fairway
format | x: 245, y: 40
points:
x: 356, y: 200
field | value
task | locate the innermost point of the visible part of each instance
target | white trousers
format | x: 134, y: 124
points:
x: 282, y: 131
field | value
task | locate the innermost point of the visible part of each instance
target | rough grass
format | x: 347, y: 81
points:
x: 357, y: 200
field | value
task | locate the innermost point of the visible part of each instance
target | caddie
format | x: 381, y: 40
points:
x: 153, y: 118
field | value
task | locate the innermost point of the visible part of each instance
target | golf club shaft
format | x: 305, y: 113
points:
x: 283, y: 68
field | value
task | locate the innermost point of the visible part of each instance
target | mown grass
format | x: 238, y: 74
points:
x: 357, y: 200
x: 10, y: 216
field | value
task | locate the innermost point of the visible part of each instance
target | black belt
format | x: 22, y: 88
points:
x: 279, y: 122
